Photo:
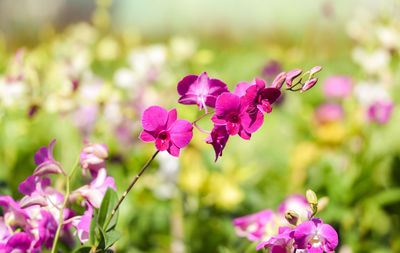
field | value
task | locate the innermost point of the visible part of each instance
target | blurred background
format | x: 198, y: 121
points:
x: 75, y: 70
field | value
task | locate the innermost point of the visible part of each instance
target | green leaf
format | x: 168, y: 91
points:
x: 110, y: 200
x: 84, y: 249
x: 111, y: 237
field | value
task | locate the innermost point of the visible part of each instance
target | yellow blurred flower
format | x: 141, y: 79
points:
x: 331, y: 133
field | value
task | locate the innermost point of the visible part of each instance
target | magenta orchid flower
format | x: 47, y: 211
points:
x: 281, y: 243
x: 163, y: 127
x: 232, y: 113
x: 19, y: 242
x: 259, y: 98
x: 47, y: 229
x: 315, y: 236
x: 45, y: 161
x: 200, y: 90
x: 380, y: 111
x: 218, y: 139
x: 337, y: 87
x: 253, y: 226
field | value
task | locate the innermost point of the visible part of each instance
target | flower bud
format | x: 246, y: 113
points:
x: 315, y: 70
x: 309, y: 84
x: 279, y: 80
x: 292, y: 217
x: 99, y: 150
x: 311, y: 197
x: 312, y: 200
x: 291, y: 75
x: 48, y: 167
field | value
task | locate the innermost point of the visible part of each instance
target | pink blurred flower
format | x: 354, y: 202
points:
x: 253, y: 226
x: 329, y: 112
x: 297, y: 203
x: 380, y: 111
x: 163, y: 127
x: 92, y: 157
x: 337, y: 87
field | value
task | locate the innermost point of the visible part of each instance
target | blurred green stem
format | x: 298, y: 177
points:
x: 67, y: 192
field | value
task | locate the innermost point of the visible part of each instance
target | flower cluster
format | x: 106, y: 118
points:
x: 292, y: 228
x: 31, y: 223
x: 236, y: 113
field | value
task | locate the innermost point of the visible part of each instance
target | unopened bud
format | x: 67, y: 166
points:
x: 312, y: 200
x: 48, y: 167
x: 322, y: 203
x: 311, y: 197
x: 99, y: 150
x: 279, y: 80
x: 291, y: 75
x: 292, y: 217
x: 315, y: 70
x: 309, y: 84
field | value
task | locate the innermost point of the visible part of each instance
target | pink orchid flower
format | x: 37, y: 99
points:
x: 315, y: 236
x: 200, y: 90
x: 163, y: 127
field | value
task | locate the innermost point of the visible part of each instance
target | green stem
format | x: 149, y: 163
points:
x: 128, y: 189
x: 67, y: 192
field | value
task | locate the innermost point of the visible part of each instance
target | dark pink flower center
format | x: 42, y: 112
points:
x: 163, y: 135
x: 234, y: 118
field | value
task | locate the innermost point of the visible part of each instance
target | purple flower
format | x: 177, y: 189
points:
x: 315, y: 236
x: 165, y: 130
x: 13, y: 213
x: 329, y: 112
x: 337, y: 87
x: 92, y: 157
x: 45, y: 161
x: 19, y: 243
x: 200, y: 90
x: 297, y: 203
x: 281, y: 243
x: 259, y: 98
x: 82, y: 224
x: 380, y: 111
x: 232, y: 113
x: 47, y: 229
x: 253, y: 226
x: 218, y: 139
x: 94, y: 192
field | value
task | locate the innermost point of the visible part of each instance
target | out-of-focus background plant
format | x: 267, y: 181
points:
x: 76, y: 70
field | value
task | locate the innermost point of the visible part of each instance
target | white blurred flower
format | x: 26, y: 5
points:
x: 143, y: 60
x: 167, y: 176
x: 389, y: 37
x: 125, y: 78
x: 12, y: 93
x: 368, y: 93
x: 371, y: 62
